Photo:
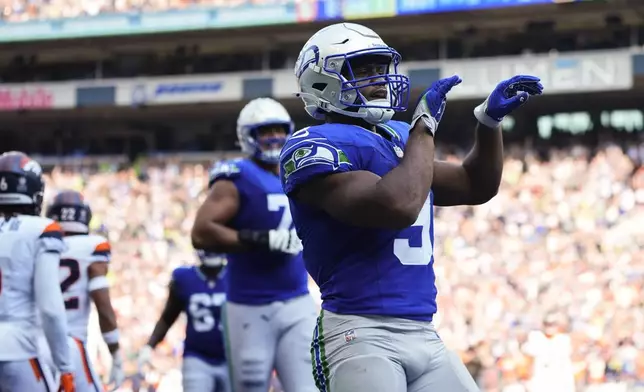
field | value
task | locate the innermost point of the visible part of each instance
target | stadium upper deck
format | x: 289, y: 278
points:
x: 116, y: 117
x: 427, y: 36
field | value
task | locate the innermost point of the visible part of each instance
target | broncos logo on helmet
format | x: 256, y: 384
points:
x: 21, y: 182
x: 70, y: 210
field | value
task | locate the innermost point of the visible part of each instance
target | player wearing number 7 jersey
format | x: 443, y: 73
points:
x: 269, y: 314
x: 362, y: 190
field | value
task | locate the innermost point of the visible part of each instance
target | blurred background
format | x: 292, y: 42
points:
x: 129, y: 101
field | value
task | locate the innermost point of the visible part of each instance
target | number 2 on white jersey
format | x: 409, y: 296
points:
x: 416, y: 255
x: 73, y: 275
x: 277, y: 201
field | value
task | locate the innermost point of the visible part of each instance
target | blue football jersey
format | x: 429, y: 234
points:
x: 202, y: 299
x: 360, y: 270
x: 260, y: 277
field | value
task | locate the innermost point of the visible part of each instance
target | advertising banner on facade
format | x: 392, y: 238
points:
x: 560, y: 73
x: 178, y: 90
x: 37, y: 96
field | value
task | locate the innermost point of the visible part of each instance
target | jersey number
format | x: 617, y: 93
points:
x: 277, y: 202
x: 67, y: 214
x: 415, y: 246
x: 73, y: 276
x: 203, y: 319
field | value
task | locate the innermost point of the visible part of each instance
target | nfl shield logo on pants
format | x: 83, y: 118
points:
x: 349, y: 336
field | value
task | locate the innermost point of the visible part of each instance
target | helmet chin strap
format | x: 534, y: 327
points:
x: 377, y: 115
x: 270, y: 156
x: 373, y: 116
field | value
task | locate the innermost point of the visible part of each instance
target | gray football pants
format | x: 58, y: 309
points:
x: 384, y: 354
x: 200, y: 376
x: 274, y: 336
x: 28, y: 375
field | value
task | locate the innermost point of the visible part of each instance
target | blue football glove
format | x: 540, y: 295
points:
x: 506, y: 97
x: 431, y: 105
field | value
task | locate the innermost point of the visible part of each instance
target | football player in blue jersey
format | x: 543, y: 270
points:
x: 270, y: 315
x: 200, y: 291
x: 362, y: 188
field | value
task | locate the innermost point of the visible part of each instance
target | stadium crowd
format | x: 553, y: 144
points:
x: 24, y: 10
x: 562, y: 240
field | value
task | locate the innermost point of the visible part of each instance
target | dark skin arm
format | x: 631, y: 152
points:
x: 362, y: 198
x: 171, y: 311
x: 101, y: 298
x: 476, y: 180
x: 209, y: 231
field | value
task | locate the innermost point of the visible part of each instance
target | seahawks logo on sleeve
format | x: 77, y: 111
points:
x: 312, y: 152
x: 223, y: 169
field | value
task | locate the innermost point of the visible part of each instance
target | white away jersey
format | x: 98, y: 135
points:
x: 23, y: 239
x: 82, y: 251
x: 552, y: 368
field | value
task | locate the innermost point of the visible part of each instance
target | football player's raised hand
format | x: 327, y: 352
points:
x: 431, y: 104
x: 506, y: 97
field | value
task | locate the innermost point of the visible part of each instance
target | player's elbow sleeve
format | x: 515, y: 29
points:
x: 49, y: 298
x: 54, y: 322
x: 49, y: 301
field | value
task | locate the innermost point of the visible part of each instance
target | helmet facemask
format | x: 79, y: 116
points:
x: 336, y: 83
x: 266, y: 142
x: 368, y: 83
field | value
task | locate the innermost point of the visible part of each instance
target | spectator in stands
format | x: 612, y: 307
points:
x: 24, y: 10
x: 563, y: 235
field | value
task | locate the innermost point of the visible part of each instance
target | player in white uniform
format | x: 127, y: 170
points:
x: 551, y: 349
x: 30, y: 249
x: 83, y: 270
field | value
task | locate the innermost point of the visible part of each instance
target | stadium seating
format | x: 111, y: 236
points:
x: 498, y: 273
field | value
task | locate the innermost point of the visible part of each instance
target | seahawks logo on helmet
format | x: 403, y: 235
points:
x: 314, y: 153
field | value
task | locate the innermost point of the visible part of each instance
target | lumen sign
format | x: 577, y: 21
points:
x: 562, y: 73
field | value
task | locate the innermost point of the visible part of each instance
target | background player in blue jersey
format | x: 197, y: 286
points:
x: 362, y: 190
x: 200, y: 291
x: 269, y: 314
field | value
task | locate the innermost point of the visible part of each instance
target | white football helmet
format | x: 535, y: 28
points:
x: 322, y: 70
x: 257, y: 113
